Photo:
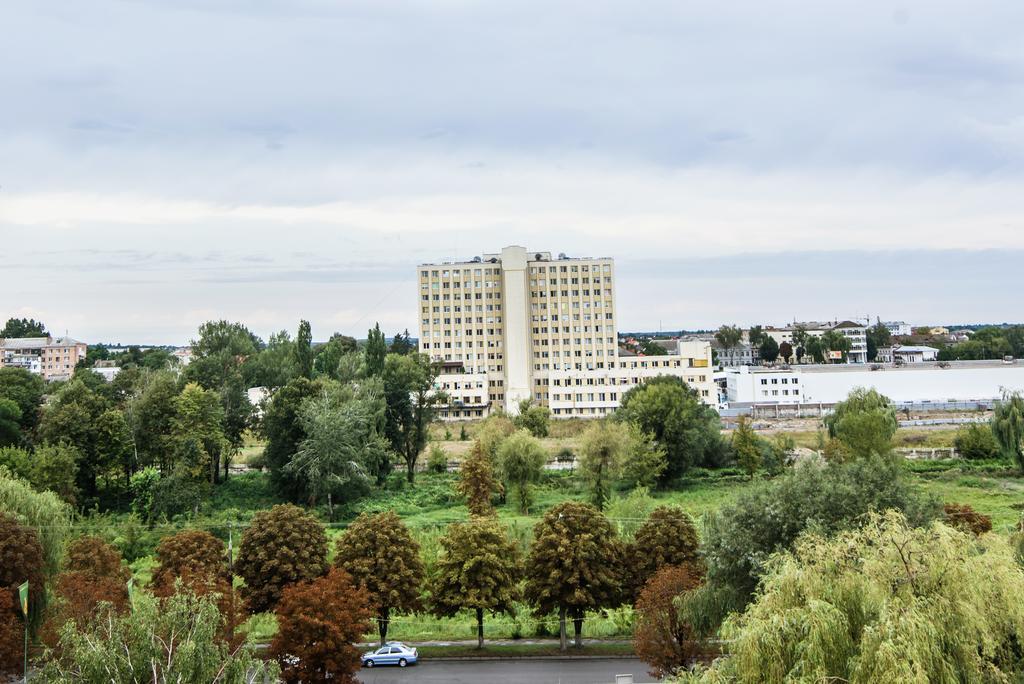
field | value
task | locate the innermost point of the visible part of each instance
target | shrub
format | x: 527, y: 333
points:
x: 661, y: 638
x: 93, y: 577
x: 437, y: 460
x: 54, y: 467
x: 282, y: 546
x: 17, y: 461
x: 976, y: 442
x: 864, y: 423
x: 382, y: 557
x: 12, y: 631
x: 318, y: 622
x: 965, y: 518
x: 769, y: 516
x: 171, y: 641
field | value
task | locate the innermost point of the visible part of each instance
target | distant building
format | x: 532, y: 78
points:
x: 855, y: 332
x: 938, y: 330
x: 907, y: 353
x: 53, y: 358
x: 898, y: 328
x: 183, y: 355
x: 743, y: 354
x: 518, y: 325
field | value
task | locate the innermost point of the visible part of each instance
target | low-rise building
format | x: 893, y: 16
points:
x: 907, y: 353
x: 53, y: 358
x: 743, y: 354
x: 908, y: 384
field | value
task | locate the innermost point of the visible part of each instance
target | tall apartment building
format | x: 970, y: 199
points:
x: 53, y: 358
x: 521, y: 325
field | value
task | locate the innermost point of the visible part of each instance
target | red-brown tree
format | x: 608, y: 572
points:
x: 661, y: 639
x: 318, y: 623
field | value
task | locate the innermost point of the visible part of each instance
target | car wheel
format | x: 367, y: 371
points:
x: 402, y: 663
x: 369, y: 663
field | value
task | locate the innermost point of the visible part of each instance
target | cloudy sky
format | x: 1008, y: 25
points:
x: 167, y: 162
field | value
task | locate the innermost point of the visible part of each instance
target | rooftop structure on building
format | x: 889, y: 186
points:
x: 521, y: 325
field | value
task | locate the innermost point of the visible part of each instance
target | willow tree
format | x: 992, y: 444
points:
x: 885, y: 603
x: 1008, y: 427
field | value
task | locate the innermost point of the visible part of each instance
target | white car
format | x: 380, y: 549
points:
x: 391, y: 653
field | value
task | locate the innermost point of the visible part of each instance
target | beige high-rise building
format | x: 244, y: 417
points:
x: 522, y: 325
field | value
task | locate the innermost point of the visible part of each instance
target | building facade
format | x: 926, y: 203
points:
x: 53, y: 358
x: 898, y: 328
x: 519, y: 325
x: 907, y: 353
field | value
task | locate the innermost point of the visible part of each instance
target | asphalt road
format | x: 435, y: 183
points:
x: 531, y: 671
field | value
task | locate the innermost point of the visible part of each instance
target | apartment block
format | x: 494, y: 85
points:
x: 855, y: 332
x: 519, y: 325
x: 53, y: 358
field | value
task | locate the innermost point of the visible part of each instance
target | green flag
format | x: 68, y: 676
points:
x: 23, y: 595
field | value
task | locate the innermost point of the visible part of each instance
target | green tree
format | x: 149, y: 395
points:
x: 769, y: 349
x: 376, y: 351
x: 889, y: 602
x: 476, y: 482
x: 238, y: 416
x: 728, y: 336
x: 26, y: 390
x: 171, y: 640
x: 329, y: 355
x: 411, y: 405
x: 747, y: 446
x: 479, y: 569
x: 975, y: 442
x: 54, y: 467
x: 304, y: 350
x: 756, y: 335
x: 1008, y: 427
x: 645, y: 461
x: 342, y: 448
x: 680, y: 423
x: 767, y: 517
x: 23, y: 327
x: 18, y: 461
x: 381, y: 555
x: 77, y: 415
x: 877, y: 336
x: 152, y: 420
x: 864, y: 423
x: 533, y: 417
x: 520, y: 461
x: 284, y: 432
x: 575, y: 565
x: 402, y: 344
x: 10, y: 423
x: 198, y: 434
x: 282, y: 546
x: 273, y: 366
x: 604, y: 448
x: 835, y: 341
x: 219, y: 352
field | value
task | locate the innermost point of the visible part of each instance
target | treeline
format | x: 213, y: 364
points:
x: 990, y: 342
x: 158, y: 438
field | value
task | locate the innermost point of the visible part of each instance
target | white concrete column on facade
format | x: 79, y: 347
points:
x: 516, y: 309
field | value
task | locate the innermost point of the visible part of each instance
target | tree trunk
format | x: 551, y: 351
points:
x: 479, y: 627
x: 562, y: 639
x: 382, y: 624
x: 577, y: 625
x: 410, y: 469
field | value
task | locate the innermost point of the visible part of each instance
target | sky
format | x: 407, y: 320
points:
x: 163, y: 163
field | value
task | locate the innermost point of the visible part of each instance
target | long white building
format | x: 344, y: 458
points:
x: 916, y: 383
x: 519, y: 325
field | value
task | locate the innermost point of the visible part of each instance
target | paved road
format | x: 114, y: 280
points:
x: 509, y: 672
